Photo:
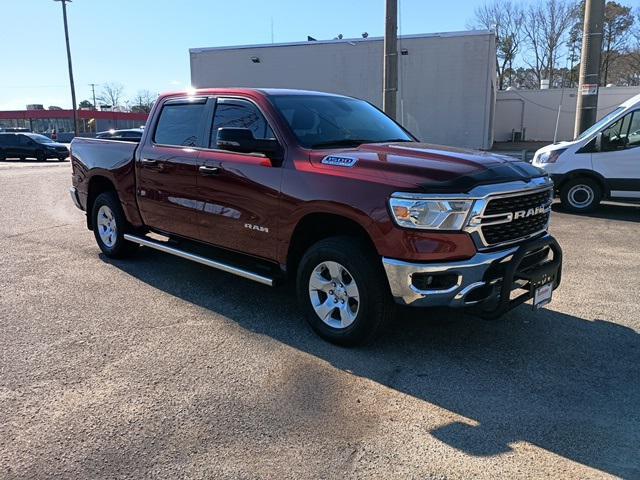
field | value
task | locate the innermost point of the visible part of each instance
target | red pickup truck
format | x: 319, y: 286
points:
x: 326, y: 190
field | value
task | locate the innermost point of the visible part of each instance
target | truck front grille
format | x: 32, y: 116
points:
x: 519, y: 227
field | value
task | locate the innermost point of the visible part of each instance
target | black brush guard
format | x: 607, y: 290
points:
x: 537, y: 275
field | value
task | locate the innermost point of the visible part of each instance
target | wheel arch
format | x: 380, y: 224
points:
x: 602, y: 182
x: 317, y: 226
x: 97, y: 184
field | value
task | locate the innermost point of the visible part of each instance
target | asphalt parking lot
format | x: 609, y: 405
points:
x: 157, y: 367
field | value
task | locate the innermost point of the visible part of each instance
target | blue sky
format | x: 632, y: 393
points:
x: 144, y: 44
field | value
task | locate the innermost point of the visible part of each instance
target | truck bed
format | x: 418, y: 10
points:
x: 107, y: 160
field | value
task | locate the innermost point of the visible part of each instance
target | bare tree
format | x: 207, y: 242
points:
x: 111, y: 94
x: 143, y: 101
x: 634, y: 51
x: 546, y: 25
x: 504, y: 18
x: 618, y: 21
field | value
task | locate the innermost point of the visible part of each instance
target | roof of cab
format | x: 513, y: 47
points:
x: 247, y: 90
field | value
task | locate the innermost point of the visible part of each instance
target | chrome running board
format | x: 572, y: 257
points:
x: 199, y: 259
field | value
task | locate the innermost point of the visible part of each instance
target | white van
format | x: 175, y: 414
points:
x: 603, y: 162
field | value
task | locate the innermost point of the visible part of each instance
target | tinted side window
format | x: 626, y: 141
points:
x: 239, y: 114
x: 4, y: 140
x: 132, y: 135
x: 11, y: 140
x: 23, y: 140
x: 179, y: 124
x: 634, y: 131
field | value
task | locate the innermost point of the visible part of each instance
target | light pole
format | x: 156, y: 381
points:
x: 73, y: 88
x: 390, y: 80
x: 93, y: 90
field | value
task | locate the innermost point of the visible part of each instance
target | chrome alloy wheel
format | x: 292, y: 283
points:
x: 580, y: 196
x: 107, y: 228
x: 334, y: 294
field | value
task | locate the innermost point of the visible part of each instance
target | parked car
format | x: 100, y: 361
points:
x: 330, y: 192
x: 31, y: 145
x: 126, y: 135
x: 15, y: 129
x: 603, y: 162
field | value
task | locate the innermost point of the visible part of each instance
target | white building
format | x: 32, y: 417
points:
x: 446, y: 80
x: 535, y: 112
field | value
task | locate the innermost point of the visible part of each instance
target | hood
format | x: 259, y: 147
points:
x: 55, y: 145
x: 432, y: 168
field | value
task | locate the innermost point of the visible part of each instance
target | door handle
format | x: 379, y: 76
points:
x: 206, y: 170
x: 148, y: 161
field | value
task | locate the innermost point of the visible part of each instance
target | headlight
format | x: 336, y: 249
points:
x: 431, y: 213
x: 550, y: 157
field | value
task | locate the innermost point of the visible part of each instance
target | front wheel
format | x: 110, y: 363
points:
x: 110, y: 225
x: 343, y: 290
x: 40, y: 157
x: 581, y: 195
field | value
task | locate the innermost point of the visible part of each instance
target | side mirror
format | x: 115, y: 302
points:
x: 242, y: 140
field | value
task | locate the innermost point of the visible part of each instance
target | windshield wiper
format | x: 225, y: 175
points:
x: 346, y: 142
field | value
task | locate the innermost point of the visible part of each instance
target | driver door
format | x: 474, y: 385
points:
x: 240, y: 192
x: 618, y: 156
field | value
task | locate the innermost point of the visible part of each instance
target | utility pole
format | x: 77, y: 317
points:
x: 93, y: 91
x: 587, y: 105
x: 390, y: 80
x: 73, y: 88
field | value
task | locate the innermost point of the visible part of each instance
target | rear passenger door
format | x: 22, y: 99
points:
x: 167, y: 167
x: 240, y: 191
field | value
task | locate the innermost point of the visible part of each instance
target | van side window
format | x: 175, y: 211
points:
x: 239, y: 114
x: 634, y: 131
x: 179, y: 124
x: 616, y: 136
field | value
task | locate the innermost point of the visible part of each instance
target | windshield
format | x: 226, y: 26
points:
x: 325, y: 121
x: 39, y: 138
x: 598, y: 125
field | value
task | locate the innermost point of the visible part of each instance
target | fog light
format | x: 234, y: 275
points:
x: 434, y: 281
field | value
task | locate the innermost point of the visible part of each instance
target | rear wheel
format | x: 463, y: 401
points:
x: 581, y: 194
x: 110, y: 225
x: 62, y: 159
x: 343, y: 290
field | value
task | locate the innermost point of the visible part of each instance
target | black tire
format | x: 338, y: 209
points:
x: 120, y: 247
x: 40, y: 157
x: 580, y: 195
x: 62, y: 159
x: 374, y: 305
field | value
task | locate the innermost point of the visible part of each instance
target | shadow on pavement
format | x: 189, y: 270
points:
x: 627, y: 212
x: 568, y: 385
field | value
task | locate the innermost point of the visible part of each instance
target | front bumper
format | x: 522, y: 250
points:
x: 485, y: 281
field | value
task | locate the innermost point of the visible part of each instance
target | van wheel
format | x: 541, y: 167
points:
x: 581, y: 195
x: 110, y: 225
x: 343, y: 291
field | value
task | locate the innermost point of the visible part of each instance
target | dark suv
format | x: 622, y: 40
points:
x: 31, y: 145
